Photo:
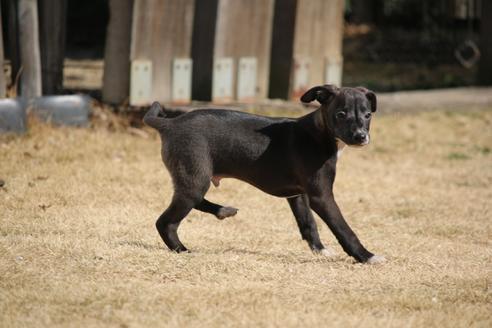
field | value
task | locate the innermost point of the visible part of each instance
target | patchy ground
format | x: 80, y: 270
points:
x: 78, y: 245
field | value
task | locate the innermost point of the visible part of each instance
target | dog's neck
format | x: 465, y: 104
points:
x: 340, y: 147
x: 315, y: 124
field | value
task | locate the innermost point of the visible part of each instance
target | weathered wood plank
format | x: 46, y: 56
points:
x: 161, y: 32
x: 318, y: 37
x: 244, y: 30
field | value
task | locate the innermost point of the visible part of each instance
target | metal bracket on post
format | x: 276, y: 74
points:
x: 141, y: 83
x: 246, y: 79
x: 333, y: 71
x: 181, y: 83
x: 223, y: 79
x: 300, y: 79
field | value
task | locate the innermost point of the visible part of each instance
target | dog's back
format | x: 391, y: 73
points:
x: 227, y: 143
x: 224, y: 133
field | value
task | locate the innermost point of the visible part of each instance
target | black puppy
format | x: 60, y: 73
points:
x: 291, y: 158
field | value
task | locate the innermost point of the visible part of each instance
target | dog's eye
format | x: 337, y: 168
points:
x: 368, y: 115
x: 341, y: 115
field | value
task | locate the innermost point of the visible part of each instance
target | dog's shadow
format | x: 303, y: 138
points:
x: 275, y: 256
x: 140, y: 244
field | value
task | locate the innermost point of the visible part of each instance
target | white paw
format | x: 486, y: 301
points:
x: 376, y: 259
x: 327, y: 252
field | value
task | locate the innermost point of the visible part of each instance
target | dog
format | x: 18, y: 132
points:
x: 292, y: 158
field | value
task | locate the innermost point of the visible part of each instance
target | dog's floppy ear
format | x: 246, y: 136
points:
x: 371, y: 96
x: 322, y: 93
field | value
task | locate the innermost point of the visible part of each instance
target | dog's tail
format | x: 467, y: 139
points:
x: 155, y: 117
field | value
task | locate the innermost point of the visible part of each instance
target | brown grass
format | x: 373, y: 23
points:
x: 78, y: 245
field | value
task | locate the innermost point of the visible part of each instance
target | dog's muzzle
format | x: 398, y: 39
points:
x: 361, y: 138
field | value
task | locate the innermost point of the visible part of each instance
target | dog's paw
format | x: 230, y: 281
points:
x: 376, y: 259
x: 326, y: 252
x: 226, y: 212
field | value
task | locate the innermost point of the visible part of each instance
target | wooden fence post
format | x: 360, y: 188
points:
x: 116, y: 79
x: 29, y: 48
x: 282, y: 48
x: 52, y: 16
x: 317, y: 44
x: 242, y: 39
x: 202, y: 48
x: 162, y: 31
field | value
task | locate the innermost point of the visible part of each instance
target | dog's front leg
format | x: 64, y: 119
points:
x: 325, y: 206
x: 307, y: 225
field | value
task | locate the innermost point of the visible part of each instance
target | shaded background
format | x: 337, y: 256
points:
x: 387, y: 45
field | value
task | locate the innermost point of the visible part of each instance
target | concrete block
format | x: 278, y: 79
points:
x: 62, y: 110
x: 12, y: 116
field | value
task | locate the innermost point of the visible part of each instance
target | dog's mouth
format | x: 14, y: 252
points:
x: 353, y: 142
x: 362, y: 144
x: 359, y: 144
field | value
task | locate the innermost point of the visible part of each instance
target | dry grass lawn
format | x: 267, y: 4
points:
x: 78, y: 246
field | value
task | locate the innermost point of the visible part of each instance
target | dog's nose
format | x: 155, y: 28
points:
x: 360, y: 137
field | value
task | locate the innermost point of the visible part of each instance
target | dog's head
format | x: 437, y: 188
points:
x: 346, y: 111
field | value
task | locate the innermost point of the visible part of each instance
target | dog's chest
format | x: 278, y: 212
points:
x: 340, y: 147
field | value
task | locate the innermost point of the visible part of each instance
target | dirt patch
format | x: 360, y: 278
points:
x: 78, y: 244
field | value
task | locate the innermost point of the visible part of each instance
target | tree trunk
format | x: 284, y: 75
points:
x: 3, y: 85
x: 52, y: 15
x: 116, y: 81
x: 29, y: 48
x: 485, y: 67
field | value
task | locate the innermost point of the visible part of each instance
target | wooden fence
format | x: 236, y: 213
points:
x: 182, y: 50
x: 232, y: 46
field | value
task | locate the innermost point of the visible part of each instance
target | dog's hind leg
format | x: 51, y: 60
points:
x: 188, y: 193
x: 221, y: 212
x: 169, y: 221
x: 307, y: 225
